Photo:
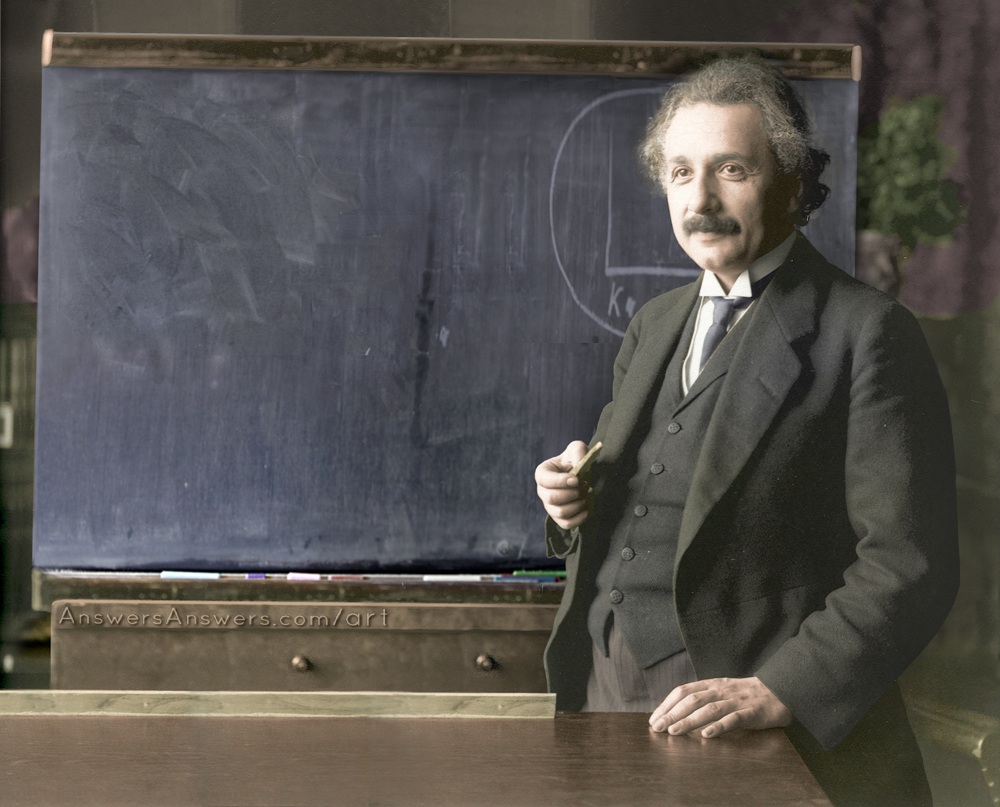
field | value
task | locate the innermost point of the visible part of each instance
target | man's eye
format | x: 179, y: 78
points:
x: 733, y: 171
x: 680, y: 173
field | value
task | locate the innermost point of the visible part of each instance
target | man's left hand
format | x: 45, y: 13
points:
x: 718, y: 705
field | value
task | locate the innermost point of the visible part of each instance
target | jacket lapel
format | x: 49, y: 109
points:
x: 645, y: 373
x: 763, y: 369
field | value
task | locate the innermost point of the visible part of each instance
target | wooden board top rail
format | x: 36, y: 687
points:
x: 627, y: 58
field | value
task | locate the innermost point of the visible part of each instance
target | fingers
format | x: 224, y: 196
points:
x: 702, y: 711
x: 719, y: 705
x: 567, y: 506
x: 678, y: 704
x: 563, y: 495
x: 553, y: 473
x: 569, y: 515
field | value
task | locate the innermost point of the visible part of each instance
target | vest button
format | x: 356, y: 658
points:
x: 628, y: 553
x: 640, y: 510
x: 656, y: 468
x: 616, y: 596
x: 674, y: 427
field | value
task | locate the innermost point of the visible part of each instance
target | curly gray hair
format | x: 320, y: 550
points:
x: 748, y: 80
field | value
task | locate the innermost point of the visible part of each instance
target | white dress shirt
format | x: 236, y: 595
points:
x: 710, y: 287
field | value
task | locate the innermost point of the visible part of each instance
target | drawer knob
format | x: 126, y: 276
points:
x: 486, y: 662
x: 301, y: 663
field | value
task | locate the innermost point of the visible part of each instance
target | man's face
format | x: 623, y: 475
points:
x: 728, y: 203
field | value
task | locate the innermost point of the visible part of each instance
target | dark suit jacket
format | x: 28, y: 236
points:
x: 818, y: 547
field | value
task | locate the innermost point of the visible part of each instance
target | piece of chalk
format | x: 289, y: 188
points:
x: 189, y: 575
x: 303, y: 576
x: 584, y: 464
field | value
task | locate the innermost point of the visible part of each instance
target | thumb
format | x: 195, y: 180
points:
x: 573, y: 454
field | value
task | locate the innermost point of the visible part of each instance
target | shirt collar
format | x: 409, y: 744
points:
x: 762, y: 267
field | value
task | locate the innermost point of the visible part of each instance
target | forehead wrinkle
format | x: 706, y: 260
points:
x: 715, y: 159
x: 726, y: 156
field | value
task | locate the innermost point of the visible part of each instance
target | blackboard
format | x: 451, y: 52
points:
x: 333, y: 320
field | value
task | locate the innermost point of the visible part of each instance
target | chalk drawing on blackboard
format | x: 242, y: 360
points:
x: 610, y: 230
x: 610, y: 269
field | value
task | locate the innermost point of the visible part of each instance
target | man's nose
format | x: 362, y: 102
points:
x: 704, y: 195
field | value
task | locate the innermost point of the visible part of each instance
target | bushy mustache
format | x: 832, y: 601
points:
x: 714, y: 225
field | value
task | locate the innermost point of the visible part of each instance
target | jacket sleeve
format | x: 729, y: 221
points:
x: 559, y: 542
x: 900, y: 499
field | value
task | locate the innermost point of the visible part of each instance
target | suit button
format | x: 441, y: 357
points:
x: 616, y: 596
x: 628, y: 553
x: 674, y: 427
x: 640, y: 510
x: 656, y: 468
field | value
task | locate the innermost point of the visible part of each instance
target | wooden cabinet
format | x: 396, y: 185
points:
x: 211, y: 645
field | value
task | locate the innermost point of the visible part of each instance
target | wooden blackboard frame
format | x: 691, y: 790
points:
x: 619, y: 58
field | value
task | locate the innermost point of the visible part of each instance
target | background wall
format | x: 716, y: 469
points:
x: 911, y: 47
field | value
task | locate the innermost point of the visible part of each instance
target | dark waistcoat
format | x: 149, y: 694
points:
x: 635, y: 582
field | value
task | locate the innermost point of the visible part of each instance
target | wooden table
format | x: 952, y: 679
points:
x: 216, y: 761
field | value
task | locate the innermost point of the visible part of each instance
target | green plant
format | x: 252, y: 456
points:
x: 902, y: 163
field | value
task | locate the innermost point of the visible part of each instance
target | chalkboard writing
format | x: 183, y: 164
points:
x: 316, y: 320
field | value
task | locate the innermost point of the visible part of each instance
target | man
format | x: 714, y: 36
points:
x: 768, y: 537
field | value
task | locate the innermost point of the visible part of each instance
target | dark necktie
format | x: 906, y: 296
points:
x: 722, y: 313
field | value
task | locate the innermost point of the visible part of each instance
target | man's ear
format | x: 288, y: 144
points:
x: 794, y: 196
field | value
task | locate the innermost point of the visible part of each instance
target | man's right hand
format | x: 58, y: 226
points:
x: 563, y: 495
